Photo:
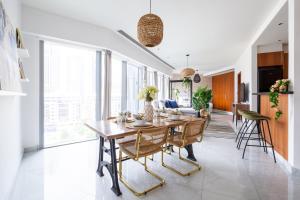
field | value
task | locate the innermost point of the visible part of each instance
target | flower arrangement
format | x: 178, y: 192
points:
x: 280, y: 86
x: 148, y: 93
x: 138, y: 116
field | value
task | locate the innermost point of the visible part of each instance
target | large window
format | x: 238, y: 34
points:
x: 116, y: 85
x: 69, y: 93
x: 160, y: 86
x: 150, y: 77
x: 132, y: 88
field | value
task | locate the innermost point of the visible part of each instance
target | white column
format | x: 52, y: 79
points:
x: 294, y: 72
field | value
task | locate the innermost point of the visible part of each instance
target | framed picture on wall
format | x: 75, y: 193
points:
x: 9, y: 68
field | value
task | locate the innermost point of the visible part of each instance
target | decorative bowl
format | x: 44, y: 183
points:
x: 139, y: 122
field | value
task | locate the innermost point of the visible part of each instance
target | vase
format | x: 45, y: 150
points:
x: 148, y: 111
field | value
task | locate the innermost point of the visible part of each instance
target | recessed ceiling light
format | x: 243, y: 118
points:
x: 280, y: 24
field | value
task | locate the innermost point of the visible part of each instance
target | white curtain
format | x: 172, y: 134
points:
x: 107, y: 85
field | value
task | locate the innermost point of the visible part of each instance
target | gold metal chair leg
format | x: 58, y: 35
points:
x: 131, y: 188
x: 198, y: 167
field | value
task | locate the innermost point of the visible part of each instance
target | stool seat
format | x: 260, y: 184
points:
x: 251, y: 115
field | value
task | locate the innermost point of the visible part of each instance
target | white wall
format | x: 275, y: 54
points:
x: 294, y: 71
x: 247, y: 62
x: 11, y: 150
x: 46, y: 24
x: 245, y: 65
x: 30, y: 104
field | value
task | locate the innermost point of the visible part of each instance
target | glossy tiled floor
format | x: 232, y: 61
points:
x: 68, y: 173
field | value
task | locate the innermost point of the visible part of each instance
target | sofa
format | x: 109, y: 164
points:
x: 169, y: 104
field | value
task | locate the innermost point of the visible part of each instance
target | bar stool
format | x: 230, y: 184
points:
x: 261, y: 123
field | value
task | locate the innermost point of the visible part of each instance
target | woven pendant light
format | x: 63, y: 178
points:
x: 150, y: 30
x: 187, y: 72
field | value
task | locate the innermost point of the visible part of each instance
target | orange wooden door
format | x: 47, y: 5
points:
x: 223, y: 91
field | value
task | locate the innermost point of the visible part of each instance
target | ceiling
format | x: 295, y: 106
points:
x: 213, y: 32
x: 277, y: 30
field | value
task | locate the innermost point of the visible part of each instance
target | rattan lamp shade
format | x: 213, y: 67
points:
x: 187, y: 72
x: 150, y: 30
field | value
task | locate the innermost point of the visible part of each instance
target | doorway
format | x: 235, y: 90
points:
x: 239, y: 85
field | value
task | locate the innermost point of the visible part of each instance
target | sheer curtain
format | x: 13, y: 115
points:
x: 107, y: 85
x: 116, y: 86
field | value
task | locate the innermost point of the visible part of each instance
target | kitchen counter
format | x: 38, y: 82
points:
x: 267, y: 93
x: 279, y: 128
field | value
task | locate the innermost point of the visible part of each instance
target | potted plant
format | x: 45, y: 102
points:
x: 148, y: 94
x: 280, y: 86
x: 201, y: 99
x: 186, y: 82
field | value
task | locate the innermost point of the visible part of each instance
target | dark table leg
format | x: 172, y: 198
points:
x: 111, y: 166
x: 189, y: 149
x: 100, y: 166
x: 114, y: 170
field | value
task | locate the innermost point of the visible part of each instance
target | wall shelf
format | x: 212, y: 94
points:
x: 11, y: 93
x: 23, y: 53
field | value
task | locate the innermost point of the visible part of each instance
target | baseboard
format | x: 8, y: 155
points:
x: 31, y: 149
x: 285, y: 165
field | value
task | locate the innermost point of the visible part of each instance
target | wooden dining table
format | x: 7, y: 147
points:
x: 110, y: 130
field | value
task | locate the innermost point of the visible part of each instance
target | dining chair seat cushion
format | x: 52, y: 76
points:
x: 179, y: 142
x: 126, y: 139
x: 130, y: 149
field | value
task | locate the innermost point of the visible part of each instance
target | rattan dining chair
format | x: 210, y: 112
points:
x: 148, y: 142
x: 192, y: 130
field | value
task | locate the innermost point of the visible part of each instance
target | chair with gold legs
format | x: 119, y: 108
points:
x: 191, y: 132
x: 148, y: 142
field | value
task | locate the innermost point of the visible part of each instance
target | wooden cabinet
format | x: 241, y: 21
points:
x: 223, y: 91
x: 270, y: 59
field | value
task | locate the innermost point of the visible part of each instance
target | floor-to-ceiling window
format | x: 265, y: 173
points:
x: 132, y: 88
x: 160, y: 86
x: 69, y: 93
x: 150, y: 77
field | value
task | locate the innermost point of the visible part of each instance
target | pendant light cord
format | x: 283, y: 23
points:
x: 187, y: 60
x: 150, y: 6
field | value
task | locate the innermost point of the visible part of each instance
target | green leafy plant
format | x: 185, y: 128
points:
x: 177, y: 93
x: 186, y: 82
x: 201, y: 98
x: 280, y: 86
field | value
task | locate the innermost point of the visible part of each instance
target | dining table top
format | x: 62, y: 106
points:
x: 110, y: 129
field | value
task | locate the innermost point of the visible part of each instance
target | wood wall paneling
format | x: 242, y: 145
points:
x: 223, y: 91
x: 286, y: 66
x: 279, y: 128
